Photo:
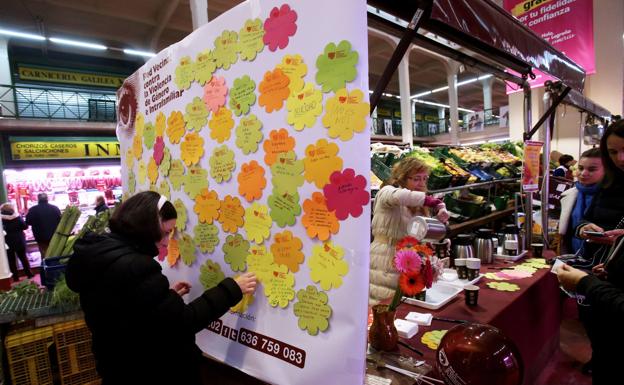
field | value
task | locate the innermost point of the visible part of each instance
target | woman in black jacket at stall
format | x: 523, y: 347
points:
x: 14, y: 226
x: 143, y: 332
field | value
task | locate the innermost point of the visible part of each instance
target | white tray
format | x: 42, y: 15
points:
x: 512, y: 258
x: 437, y: 296
x: 461, y: 283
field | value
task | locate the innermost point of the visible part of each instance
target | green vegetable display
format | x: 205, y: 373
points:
x: 63, y: 231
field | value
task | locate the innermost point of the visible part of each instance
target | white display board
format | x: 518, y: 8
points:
x: 257, y: 127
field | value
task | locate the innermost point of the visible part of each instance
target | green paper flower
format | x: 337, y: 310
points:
x: 312, y: 310
x: 187, y: 250
x: 249, y: 134
x: 196, y: 116
x: 206, y: 237
x: 210, y: 274
x: 226, y: 47
x: 336, y: 66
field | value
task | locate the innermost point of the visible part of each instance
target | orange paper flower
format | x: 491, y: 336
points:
x: 207, y: 206
x: 279, y: 141
x: 273, y: 90
x: 231, y: 214
x: 318, y: 220
x: 251, y: 181
x: 175, y: 127
x: 286, y: 250
x: 173, y: 252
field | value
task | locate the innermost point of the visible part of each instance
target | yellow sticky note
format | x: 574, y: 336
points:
x: 304, y: 107
x: 279, y: 288
x: 192, y: 148
x: 327, y: 265
x: 257, y: 222
x: 320, y: 162
x: 207, y: 206
x: 259, y: 262
x: 221, y: 125
x: 345, y: 114
x: 294, y: 67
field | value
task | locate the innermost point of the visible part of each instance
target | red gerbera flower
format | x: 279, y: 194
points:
x: 411, y: 283
x: 407, y: 243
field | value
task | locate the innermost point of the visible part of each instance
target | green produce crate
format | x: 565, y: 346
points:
x: 465, y: 208
x: 380, y: 170
x: 437, y: 182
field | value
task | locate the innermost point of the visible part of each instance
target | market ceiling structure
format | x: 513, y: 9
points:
x: 152, y: 25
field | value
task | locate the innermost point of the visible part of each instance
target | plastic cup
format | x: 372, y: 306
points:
x: 473, y: 266
x: 460, y: 265
x: 471, y: 295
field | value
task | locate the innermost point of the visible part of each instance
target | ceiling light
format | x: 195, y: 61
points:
x: 77, y: 43
x: 440, y: 89
x: 138, y: 53
x: 459, y: 84
x: 23, y: 35
x: 441, y: 105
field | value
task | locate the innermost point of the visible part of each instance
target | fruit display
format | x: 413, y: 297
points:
x: 437, y: 168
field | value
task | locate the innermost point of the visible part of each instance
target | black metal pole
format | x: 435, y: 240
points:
x: 548, y: 113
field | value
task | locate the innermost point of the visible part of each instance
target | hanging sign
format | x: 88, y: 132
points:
x: 531, y: 166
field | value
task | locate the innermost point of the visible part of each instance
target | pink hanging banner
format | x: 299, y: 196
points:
x: 566, y: 24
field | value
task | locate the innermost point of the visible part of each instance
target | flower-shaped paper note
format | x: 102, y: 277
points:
x: 327, y: 265
x: 432, y: 338
x: 165, y: 164
x: 210, y: 274
x: 182, y: 218
x: 279, y: 27
x: 286, y: 250
x: 139, y: 124
x: 242, y: 95
x: 196, y: 115
x: 206, y: 237
x: 312, y: 310
x: 279, y: 288
x: 294, y: 67
x: 207, y: 206
x: 142, y: 172
x: 257, y: 223
x: 137, y: 146
x: 284, y: 206
x: 235, y: 250
x: 321, y: 161
x: 175, y: 127
x: 173, y: 252
x: 177, y: 174
x: 159, y: 150
x: 195, y: 181
x: 503, y: 286
x: 273, y: 90
x: 336, y: 66
x: 226, y: 47
x: 130, y: 158
x: 221, y: 125
x: 231, y: 214
x: 248, y: 134
x: 346, y: 194
x: 192, y: 148
x: 161, y: 123
x: 259, y: 262
x: 317, y: 219
x: 495, y: 276
x: 278, y: 142
x: 251, y: 181
x: 244, y: 304
x: 222, y: 164
x: 149, y: 135
x: 250, y: 41
x: 345, y: 114
x: 304, y: 107
x: 287, y: 172
x: 164, y: 189
x: 214, y: 93
x: 185, y: 73
x: 131, y: 182
x: 205, y: 66
x: 187, y: 249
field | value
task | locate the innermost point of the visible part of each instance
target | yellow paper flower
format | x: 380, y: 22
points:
x: 345, y: 114
x: 221, y: 125
x: 137, y: 146
x: 175, y: 127
x: 257, y: 222
x: 327, y: 265
x: 294, y: 67
x: 280, y: 287
x: 320, y: 162
x: 304, y: 107
x: 152, y: 171
x: 207, y: 206
x: 161, y: 122
x: 192, y: 148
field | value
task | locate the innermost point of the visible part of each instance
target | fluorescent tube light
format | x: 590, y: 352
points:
x: 77, y: 43
x: 22, y: 35
x: 138, y: 53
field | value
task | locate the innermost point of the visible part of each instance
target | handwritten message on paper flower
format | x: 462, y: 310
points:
x: 185, y: 73
x: 279, y: 27
x: 286, y: 250
x: 248, y: 134
x: 175, y: 127
x: 327, y: 265
x: 130, y: 158
x: 273, y: 90
x: 294, y: 67
x: 195, y: 181
x: 159, y: 150
x: 222, y: 164
x: 287, y: 172
x: 243, y: 305
x: 161, y: 123
x: 137, y: 146
x: 210, y: 274
x: 142, y: 172
x: 250, y: 41
x: 236, y: 249
x: 206, y: 237
x: 182, y: 218
x: 196, y: 115
x: 280, y: 286
x: 226, y: 47
x: 207, y: 206
x: 177, y: 174
x: 284, y: 206
x: 139, y: 124
x: 279, y: 141
x: 346, y: 194
x: 503, y: 286
x: 131, y: 182
x: 257, y: 222
x: 187, y: 249
x: 214, y: 93
x: 221, y: 125
x: 251, y: 181
x: 336, y: 66
x: 164, y: 189
x: 259, y: 262
x: 173, y: 252
x: 242, y: 95
x: 345, y: 114
x: 192, y: 148
x: 149, y: 135
x: 317, y: 219
x: 205, y: 66
x: 312, y: 310
x: 321, y: 161
x: 304, y: 107
x: 231, y: 214
x: 165, y: 163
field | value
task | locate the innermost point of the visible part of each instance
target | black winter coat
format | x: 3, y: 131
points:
x: 14, y: 226
x: 143, y: 332
x: 43, y: 218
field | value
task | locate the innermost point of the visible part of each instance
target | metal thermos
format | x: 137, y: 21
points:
x: 483, y: 245
x: 512, y: 233
x: 462, y: 246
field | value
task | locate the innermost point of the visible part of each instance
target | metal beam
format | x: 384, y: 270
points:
x: 164, y: 16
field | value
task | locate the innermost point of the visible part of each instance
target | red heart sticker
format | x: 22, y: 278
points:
x: 248, y: 29
x: 275, y: 273
x: 300, y: 96
x: 327, y: 248
x: 342, y: 99
x: 288, y: 61
x: 331, y: 55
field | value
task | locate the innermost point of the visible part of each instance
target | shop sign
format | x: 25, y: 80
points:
x: 69, y: 77
x: 46, y: 150
x: 531, y: 167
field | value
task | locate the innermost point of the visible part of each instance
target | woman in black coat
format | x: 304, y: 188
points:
x: 143, y: 332
x: 14, y: 226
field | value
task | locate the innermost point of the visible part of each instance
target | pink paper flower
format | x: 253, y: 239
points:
x: 162, y: 253
x: 159, y: 150
x: 279, y: 27
x: 214, y: 93
x: 407, y: 261
x: 346, y: 194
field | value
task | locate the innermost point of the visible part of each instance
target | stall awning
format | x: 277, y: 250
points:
x: 483, y: 27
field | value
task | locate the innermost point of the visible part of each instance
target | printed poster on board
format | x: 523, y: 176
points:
x: 531, y: 165
x: 256, y: 126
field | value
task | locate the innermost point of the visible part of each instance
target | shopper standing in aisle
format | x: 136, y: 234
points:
x: 100, y: 205
x: 143, y: 332
x: 400, y: 198
x: 43, y: 218
x: 565, y: 167
x: 14, y: 227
